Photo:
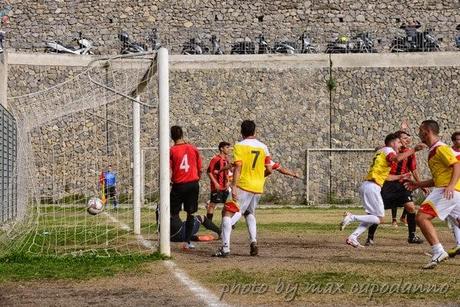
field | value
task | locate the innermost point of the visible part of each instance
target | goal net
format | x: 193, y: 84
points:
x: 68, y: 135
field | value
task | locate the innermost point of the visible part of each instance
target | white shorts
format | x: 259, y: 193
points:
x: 369, y: 192
x: 248, y: 201
x: 436, y: 205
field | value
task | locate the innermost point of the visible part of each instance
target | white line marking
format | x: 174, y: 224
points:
x: 202, y: 293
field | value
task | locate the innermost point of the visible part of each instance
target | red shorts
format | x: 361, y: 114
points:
x: 231, y: 206
x: 428, y: 209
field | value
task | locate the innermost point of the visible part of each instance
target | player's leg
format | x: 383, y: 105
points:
x: 190, y: 194
x: 113, y: 195
x: 412, y: 238
x: 454, y: 221
x: 210, y: 207
x: 208, y: 224
x: 371, y: 234
x: 373, y: 204
x: 394, y: 214
x: 370, y: 196
x: 389, y: 203
x: 403, y: 217
x: 250, y: 217
x: 435, y: 205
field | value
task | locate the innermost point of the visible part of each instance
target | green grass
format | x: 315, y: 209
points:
x: 22, y: 267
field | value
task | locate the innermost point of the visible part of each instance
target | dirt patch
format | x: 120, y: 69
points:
x: 153, y: 287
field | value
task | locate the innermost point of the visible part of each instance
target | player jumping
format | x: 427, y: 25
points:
x: 370, y: 189
x: 444, y: 200
x: 251, y: 160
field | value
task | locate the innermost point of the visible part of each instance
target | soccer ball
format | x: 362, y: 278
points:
x: 95, y: 206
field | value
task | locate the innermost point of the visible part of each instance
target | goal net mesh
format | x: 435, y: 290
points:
x: 67, y: 135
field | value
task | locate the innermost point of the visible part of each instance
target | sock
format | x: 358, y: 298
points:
x: 361, y: 228
x: 189, y: 228
x: 236, y: 217
x: 437, y: 249
x: 252, y: 227
x: 369, y: 219
x: 394, y: 213
x: 404, y: 214
x: 226, y: 232
x: 210, y: 216
x: 372, y: 230
x: 456, y: 232
x: 208, y: 224
x: 411, y: 224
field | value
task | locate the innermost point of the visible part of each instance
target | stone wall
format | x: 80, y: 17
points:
x: 290, y: 102
x: 32, y: 22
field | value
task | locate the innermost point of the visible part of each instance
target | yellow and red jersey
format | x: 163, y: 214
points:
x: 441, y: 157
x: 381, y: 165
x: 253, y: 156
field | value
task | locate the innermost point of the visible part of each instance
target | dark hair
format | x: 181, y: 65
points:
x: 431, y: 125
x: 454, y: 135
x: 400, y: 133
x: 176, y: 133
x: 248, y: 128
x: 390, y: 138
x: 223, y: 144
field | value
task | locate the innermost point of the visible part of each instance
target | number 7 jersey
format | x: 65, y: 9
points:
x: 253, y: 156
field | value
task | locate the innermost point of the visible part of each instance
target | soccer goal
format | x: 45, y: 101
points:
x: 69, y: 136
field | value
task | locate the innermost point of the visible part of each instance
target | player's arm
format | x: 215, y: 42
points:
x: 236, y: 177
x: 404, y: 155
x: 211, y: 175
x: 401, y: 177
x: 418, y: 180
x: 199, y: 163
x: 288, y: 172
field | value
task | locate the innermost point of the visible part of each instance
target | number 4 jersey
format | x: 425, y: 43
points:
x: 253, y: 156
x: 185, y: 163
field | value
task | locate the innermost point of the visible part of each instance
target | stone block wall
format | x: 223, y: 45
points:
x: 32, y: 22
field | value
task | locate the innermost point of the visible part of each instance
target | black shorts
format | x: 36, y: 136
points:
x: 219, y: 197
x: 110, y: 191
x: 184, y: 193
x: 395, y: 194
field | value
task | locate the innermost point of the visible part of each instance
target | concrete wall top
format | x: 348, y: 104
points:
x: 272, y: 61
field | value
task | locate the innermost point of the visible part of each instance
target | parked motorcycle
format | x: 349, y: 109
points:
x: 215, y: 43
x: 360, y: 43
x: 414, y: 40
x: 194, y: 46
x: 264, y: 48
x: 306, y: 44
x: 2, y: 39
x: 285, y: 46
x: 84, y: 46
x: 457, y: 38
x: 245, y: 46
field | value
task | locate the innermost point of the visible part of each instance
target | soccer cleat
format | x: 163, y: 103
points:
x: 436, y: 260
x: 369, y: 242
x: 347, y: 219
x: 353, y: 242
x: 394, y: 223
x: 188, y: 246
x: 415, y: 240
x: 254, y: 249
x: 454, y: 251
x: 220, y: 253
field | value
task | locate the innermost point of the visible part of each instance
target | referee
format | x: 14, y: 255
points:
x: 395, y: 195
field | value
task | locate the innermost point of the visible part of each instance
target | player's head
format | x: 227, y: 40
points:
x: 109, y: 167
x: 224, y: 148
x: 404, y: 137
x: 428, y: 130
x: 456, y: 139
x: 392, y: 140
x: 248, y: 128
x: 176, y: 133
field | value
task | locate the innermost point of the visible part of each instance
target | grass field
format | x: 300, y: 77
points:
x: 302, y: 261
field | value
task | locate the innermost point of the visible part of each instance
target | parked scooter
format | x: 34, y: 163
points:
x: 359, y: 43
x: 84, y: 46
x: 414, y: 40
x: 264, y: 48
x: 306, y: 45
x: 243, y: 47
x: 341, y: 44
x: 285, y: 46
x: 2, y: 39
x: 194, y: 46
x: 457, y: 38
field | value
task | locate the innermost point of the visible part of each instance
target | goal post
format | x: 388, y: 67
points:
x: 163, y: 114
